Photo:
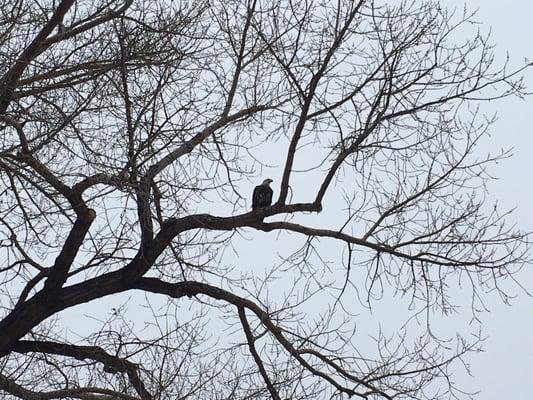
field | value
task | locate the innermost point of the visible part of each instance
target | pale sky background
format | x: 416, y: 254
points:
x: 504, y: 370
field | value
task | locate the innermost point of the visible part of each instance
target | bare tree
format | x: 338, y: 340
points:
x: 132, y: 135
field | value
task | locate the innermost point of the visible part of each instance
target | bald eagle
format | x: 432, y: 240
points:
x: 262, y: 196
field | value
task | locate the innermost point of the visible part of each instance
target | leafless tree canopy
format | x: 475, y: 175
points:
x: 132, y: 133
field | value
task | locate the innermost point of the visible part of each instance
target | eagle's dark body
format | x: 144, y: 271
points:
x: 262, y: 196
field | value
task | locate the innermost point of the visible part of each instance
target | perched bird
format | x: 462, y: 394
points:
x: 262, y: 196
x: 124, y: 176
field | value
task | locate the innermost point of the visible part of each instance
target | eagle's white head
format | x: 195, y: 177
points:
x: 267, y: 181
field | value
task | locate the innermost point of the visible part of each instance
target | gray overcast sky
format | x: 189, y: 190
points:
x: 504, y: 370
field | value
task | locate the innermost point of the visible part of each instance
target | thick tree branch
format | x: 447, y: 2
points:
x: 251, y: 344
x: 88, y: 25
x: 423, y: 257
x: 83, y: 393
x: 313, y: 84
x: 240, y: 60
x: 189, y: 145
x: 190, y: 289
x: 57, y: 275
x: 36, y: 47
x: 111, y: 363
